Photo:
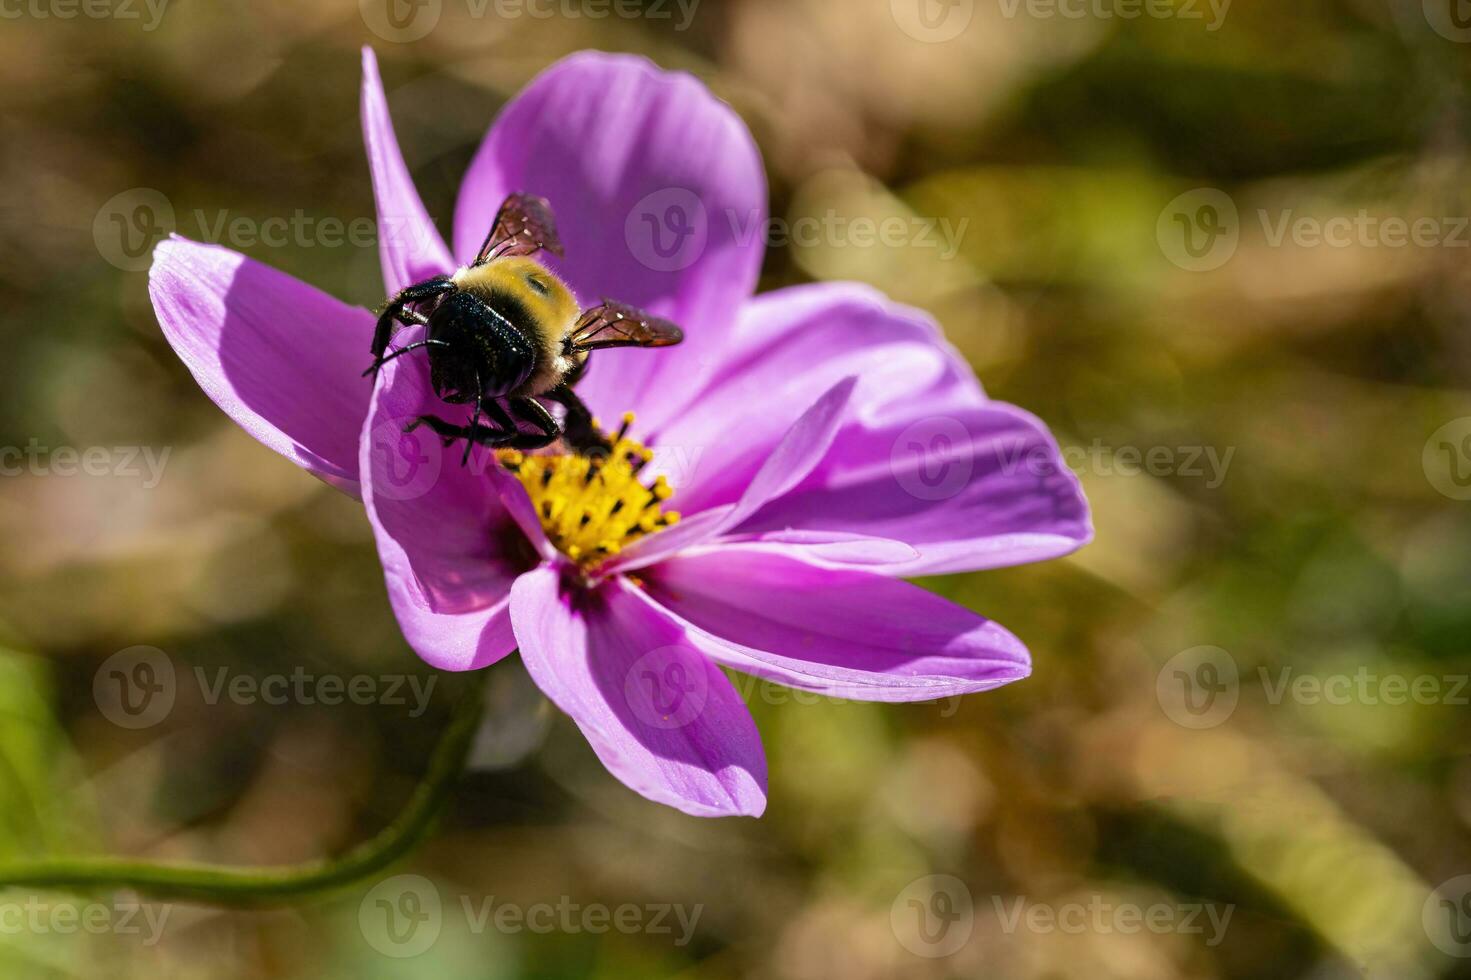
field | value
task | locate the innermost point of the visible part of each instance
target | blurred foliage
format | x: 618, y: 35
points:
x: 1059, y: 143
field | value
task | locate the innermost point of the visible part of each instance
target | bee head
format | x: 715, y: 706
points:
x: 452, y: 372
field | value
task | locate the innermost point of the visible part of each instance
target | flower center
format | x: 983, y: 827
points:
x: 591, y: 507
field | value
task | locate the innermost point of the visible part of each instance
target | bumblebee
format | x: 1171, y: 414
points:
x: 503, y: 332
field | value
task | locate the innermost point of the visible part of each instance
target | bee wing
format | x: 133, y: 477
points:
x: 523, y: 225
x: 615, y: 324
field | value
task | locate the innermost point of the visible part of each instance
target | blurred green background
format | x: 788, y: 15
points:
x: 1134, y: 774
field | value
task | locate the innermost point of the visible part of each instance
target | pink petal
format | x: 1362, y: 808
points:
x: 409, y: 246
x: 661, y: 717
x: 826, y: 547
x: 281, y: 358
x: 788, y: 345
x: 451, y: 537
x: 843, y: 632
x: 626, y: 152
x: 923, y: 456
x: 969, y: 485
x: 799, y: 451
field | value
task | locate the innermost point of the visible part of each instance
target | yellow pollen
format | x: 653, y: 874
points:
x: 592, y: 507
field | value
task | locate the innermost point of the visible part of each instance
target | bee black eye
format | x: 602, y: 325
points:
x: 538, y: 286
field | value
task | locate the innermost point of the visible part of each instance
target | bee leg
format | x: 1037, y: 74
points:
x: 446, y: 430
x: 394, y: 311
x: 581, y: 435
x: 507, y: 434
x: 410, y: 318
x: 475, y: 416
x: 533, y: 411
x: 504, y: 434
x: 482, y: 435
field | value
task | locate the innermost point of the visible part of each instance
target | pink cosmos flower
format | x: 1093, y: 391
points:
x: 822, y: 444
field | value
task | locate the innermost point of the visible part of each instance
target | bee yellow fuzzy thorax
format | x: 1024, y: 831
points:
x: 592, y: 507
x: 550, y: 309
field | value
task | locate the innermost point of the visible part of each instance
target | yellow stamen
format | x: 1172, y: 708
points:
x: 593, y: 507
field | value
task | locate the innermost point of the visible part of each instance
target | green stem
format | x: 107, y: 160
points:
x: 226, y: 885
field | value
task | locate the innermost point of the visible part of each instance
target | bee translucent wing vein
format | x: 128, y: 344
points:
x: 614, y: 324
x: 523, y: 226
